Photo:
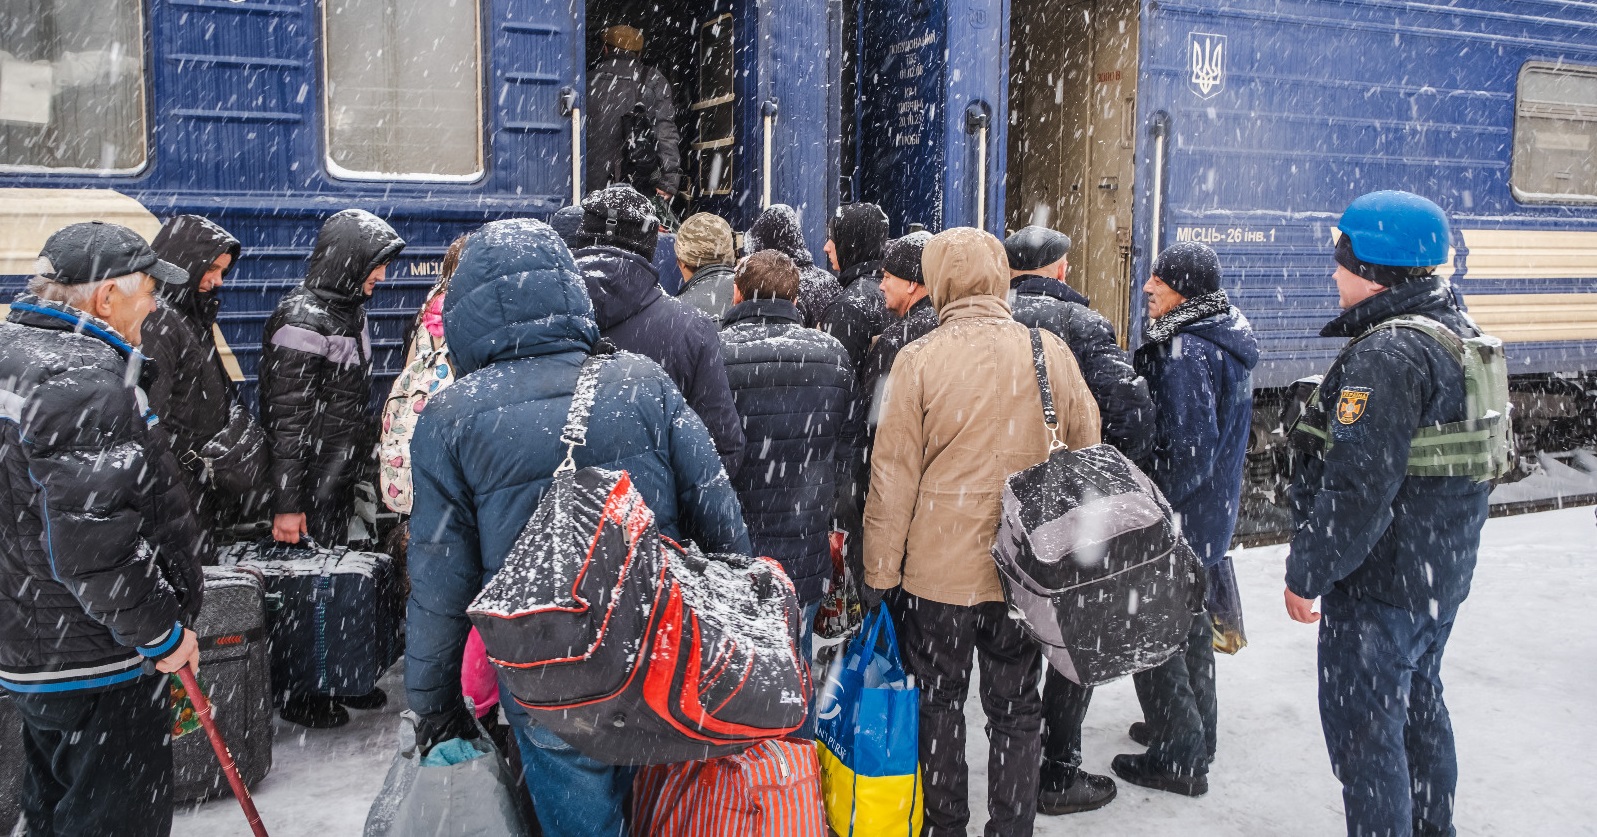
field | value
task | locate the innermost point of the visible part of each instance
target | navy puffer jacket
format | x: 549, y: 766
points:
x: 634, y: 313
x: 1363, y: 524
x: 1202, y: 385
x: 1124, y: 405
x: 792, y: 385
x: 520, y: 325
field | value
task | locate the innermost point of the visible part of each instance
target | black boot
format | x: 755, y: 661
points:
x: 1141, y: 733
x: 1072, y: 790
x: 314, y: 711
x: 375, y: 699
x: 1140, y: 770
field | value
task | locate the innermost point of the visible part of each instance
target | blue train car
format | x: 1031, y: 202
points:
x: 438, y: 115
x: 1249, y: 125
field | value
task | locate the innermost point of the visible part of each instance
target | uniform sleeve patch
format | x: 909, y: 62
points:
x: 1350, y: 405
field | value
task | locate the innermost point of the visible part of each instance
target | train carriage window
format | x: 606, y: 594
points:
x: 1555, y: 134
x: 714, y: 102
x: 72, y: 86
x: 403, y: 92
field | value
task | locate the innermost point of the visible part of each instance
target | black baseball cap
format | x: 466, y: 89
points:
x: 96, y: 251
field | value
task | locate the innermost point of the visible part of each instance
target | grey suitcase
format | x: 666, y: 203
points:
x: 236, y: 674
x: 11, y: 764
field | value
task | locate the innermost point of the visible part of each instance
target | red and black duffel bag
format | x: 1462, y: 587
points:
x: 630, y: 647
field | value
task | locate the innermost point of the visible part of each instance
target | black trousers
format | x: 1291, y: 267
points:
x: 938, y: 642
x: 1178, y: 701
x: 98, y: 765
x: 1064, y: 707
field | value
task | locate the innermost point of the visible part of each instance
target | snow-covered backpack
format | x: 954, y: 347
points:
x: 1092, y: 563
x: 630, y: 647
x: 1479, y: 446
x: 640, y: 149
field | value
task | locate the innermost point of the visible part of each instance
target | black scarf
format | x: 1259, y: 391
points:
x: 1188, y: 312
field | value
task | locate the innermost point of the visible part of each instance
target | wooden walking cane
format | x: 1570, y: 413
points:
x: 202, y: 707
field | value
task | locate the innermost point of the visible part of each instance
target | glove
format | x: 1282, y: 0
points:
x: 432, y: 730
x: 870, y: 597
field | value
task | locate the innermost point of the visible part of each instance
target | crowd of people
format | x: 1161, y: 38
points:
x: 771, y: 403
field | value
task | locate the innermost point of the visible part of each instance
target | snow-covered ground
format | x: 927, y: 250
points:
x: 1521, y: 674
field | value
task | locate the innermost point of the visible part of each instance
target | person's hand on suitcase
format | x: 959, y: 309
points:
x: 289, y: 528
x: 187, y: 653
x: 432, y: 730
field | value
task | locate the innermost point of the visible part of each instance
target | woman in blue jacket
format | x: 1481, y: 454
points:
x: 520, y: 325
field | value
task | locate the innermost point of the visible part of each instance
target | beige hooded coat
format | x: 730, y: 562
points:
x: 960, y: 413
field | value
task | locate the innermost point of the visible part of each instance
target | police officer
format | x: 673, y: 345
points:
x: 1386, y: 546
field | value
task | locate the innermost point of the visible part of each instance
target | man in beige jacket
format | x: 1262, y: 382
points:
x: 960, y: 413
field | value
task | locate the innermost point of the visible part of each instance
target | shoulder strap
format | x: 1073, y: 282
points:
x: 1040, y: 366
x: 1416, y: 322
x: 575, y: 433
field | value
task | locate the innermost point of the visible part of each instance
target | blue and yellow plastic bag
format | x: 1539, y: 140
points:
x: 868, y: 738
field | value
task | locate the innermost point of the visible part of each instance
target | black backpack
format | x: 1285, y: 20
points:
x: 640, y: 149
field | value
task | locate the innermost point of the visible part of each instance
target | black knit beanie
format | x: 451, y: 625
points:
x: 566, y: 222
x: 1189, y: 268
x: 858, y: 232
x: 903, y: 257
x: 1380, y: 274
x: 619, y: 216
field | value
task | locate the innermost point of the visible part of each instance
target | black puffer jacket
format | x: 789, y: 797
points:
x: 792, y: 385
x: 636, y: 315
x: 860, y: 312
x: 99, y: 555
x: 316, y: 367
x: 710, y: 290
x: 193, y: 394
x: 1124, y: 405
x: 778, y: 229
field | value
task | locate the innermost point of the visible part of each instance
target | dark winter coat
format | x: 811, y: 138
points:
x: 860, y: 312
x: 99, y: 554
x: 864, y: 413
x: 792, y: 385
x: 520, y: 325
x: 1202, y: 386
x: 710, y: 290
x: 193, y: 394
x: 778, y: 229
x: 1363, y: 524
x: 1123, y: 401
x: 635, y: 315
x: 316, y: 367
x: 615, y: 84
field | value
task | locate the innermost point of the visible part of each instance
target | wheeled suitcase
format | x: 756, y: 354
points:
x: 11, y: 764
x: 337, y: 618
x: 236, y: 674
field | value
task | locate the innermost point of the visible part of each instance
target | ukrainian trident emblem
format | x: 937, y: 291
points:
x: 1206, y: 56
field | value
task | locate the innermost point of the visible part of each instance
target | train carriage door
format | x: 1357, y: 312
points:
x: 747, y: 84
x: 1072, y: 101
x: 535, y: 96
x: 931, y: 114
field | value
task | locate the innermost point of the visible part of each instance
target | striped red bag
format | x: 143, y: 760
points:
x: 770, y: 790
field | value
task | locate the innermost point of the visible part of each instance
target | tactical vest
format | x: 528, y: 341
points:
x: 1482, y: 445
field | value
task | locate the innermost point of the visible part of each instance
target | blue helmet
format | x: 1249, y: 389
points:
x: 1399, y: 229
